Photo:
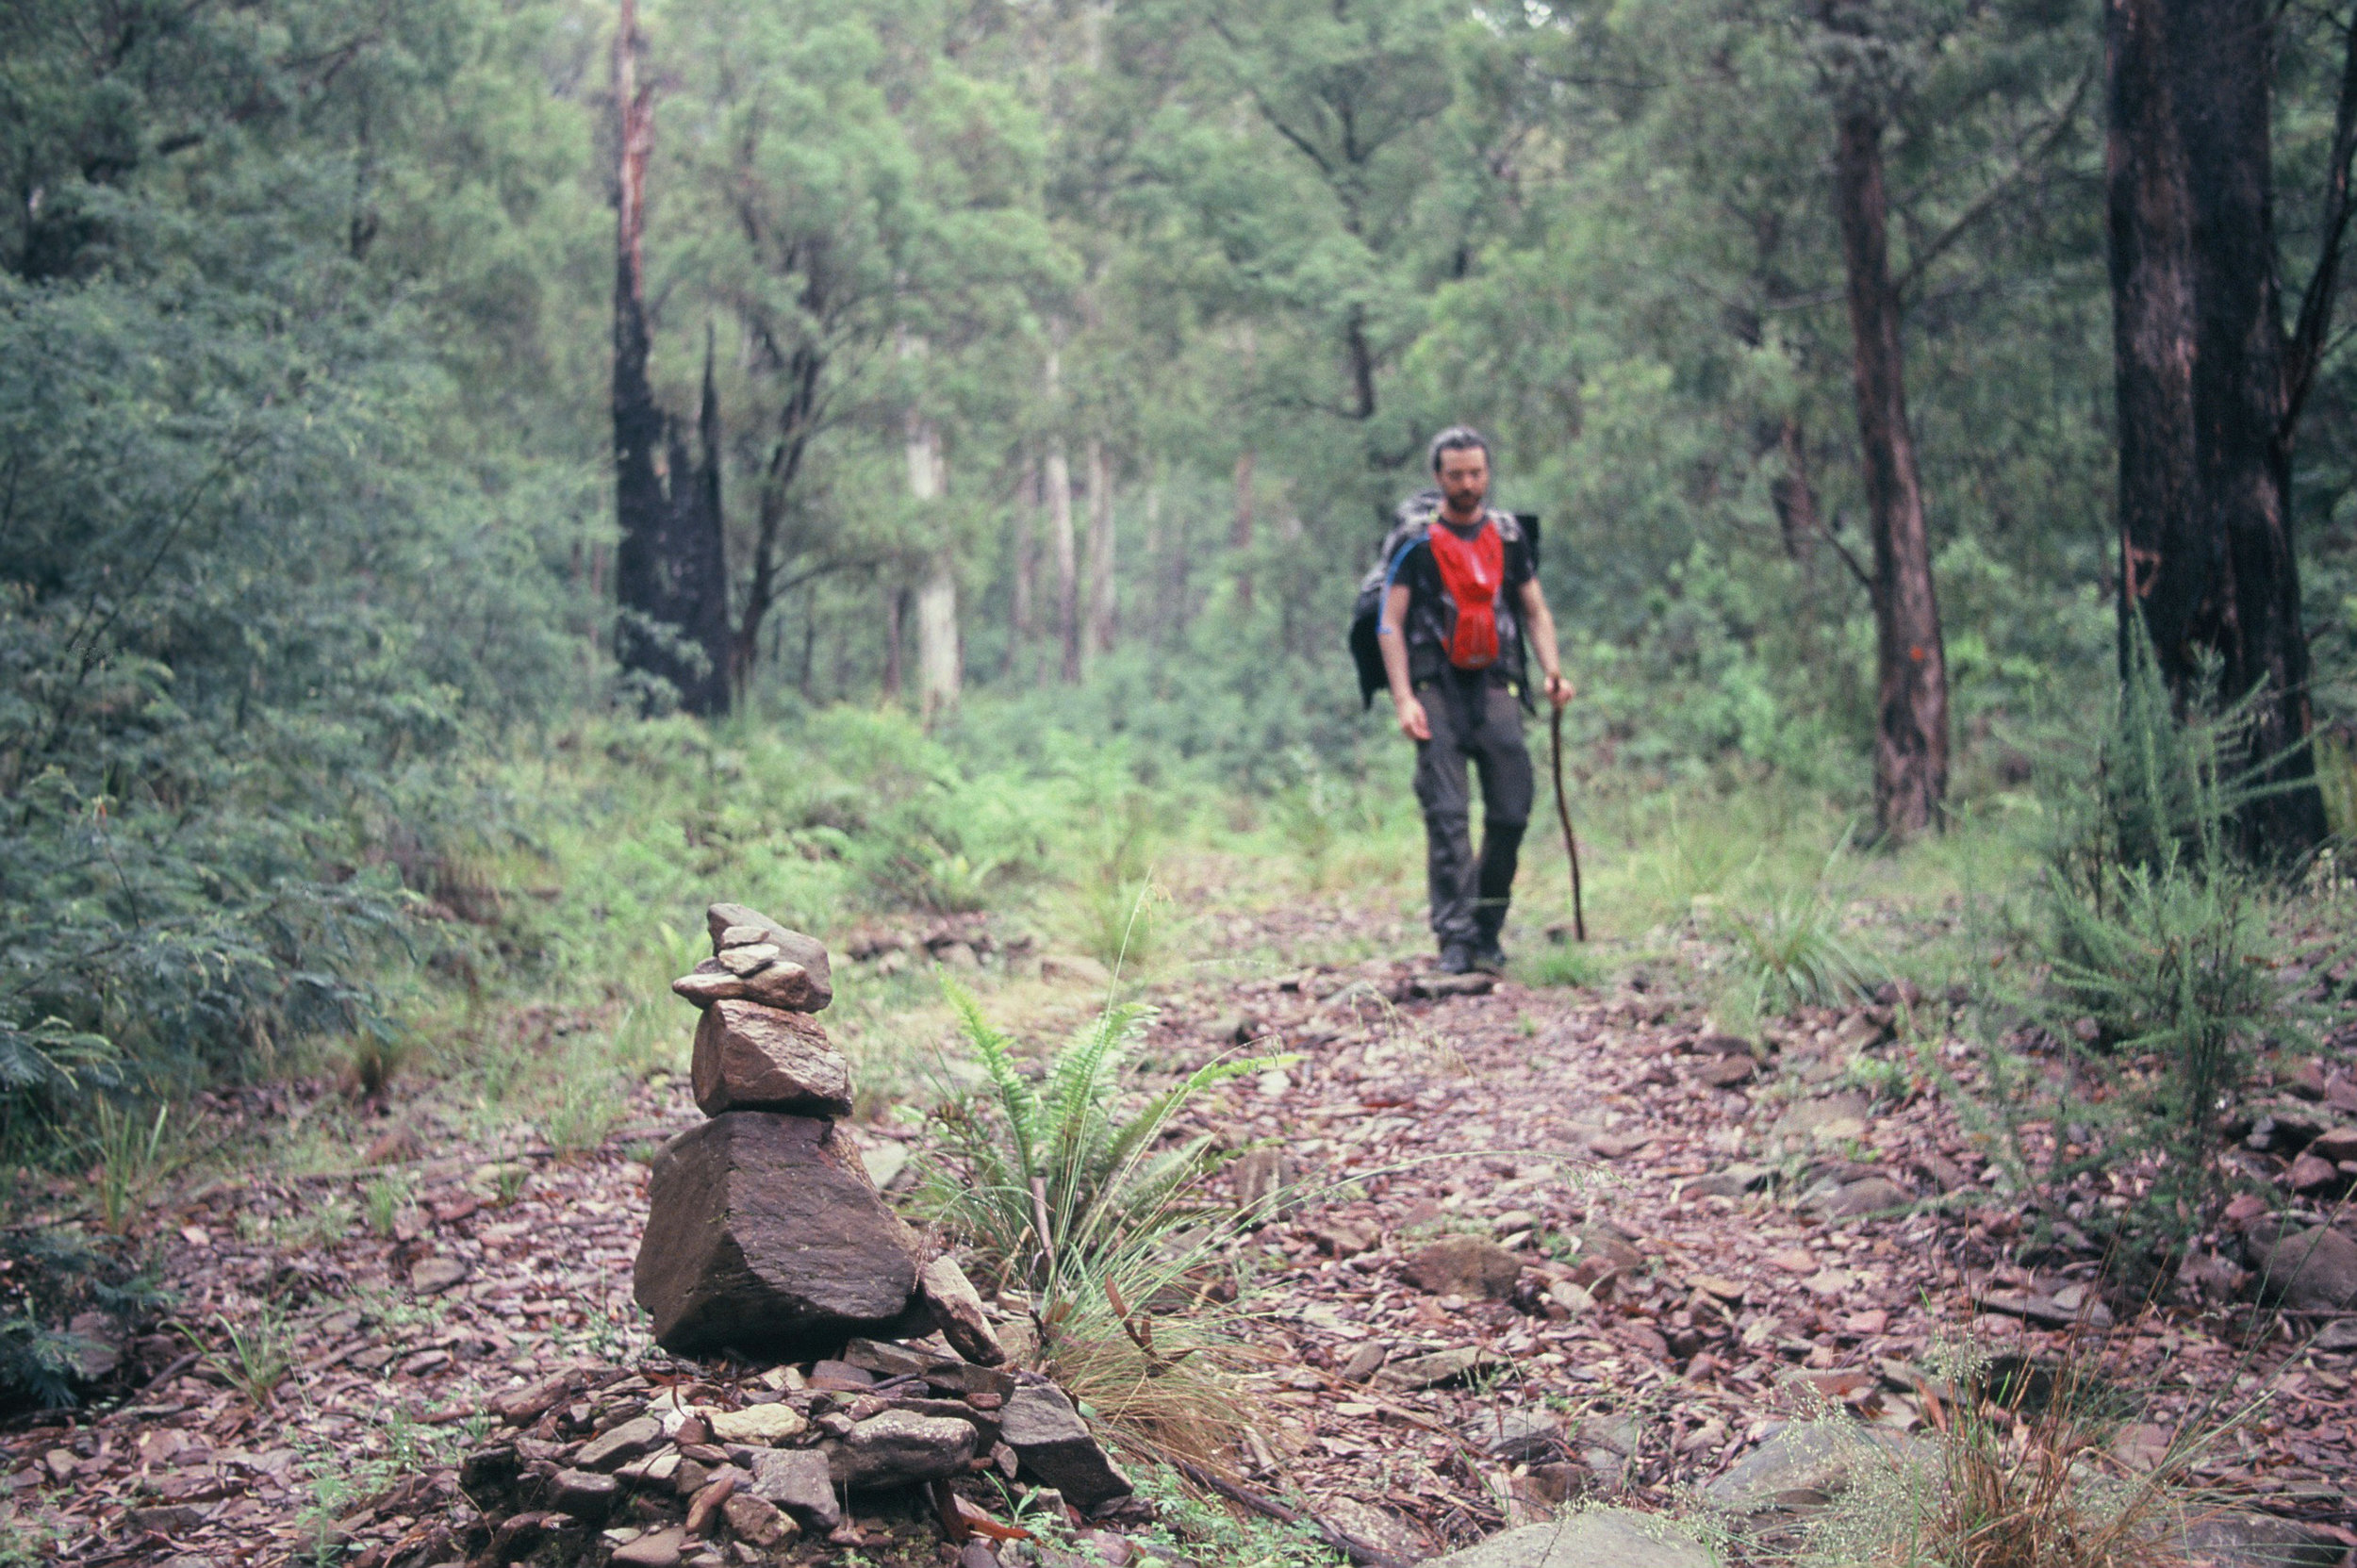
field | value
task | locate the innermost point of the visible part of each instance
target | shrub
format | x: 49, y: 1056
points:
x: 2158, y: 977
x: 1057, y: 1188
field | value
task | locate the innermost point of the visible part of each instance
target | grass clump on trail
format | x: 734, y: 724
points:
x: 2017, y: 1471
x: 1065, y: 1197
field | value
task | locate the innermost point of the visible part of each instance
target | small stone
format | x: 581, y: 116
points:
x: 2309, y: 1270
x: 798, y: 1481
x: 1074, y: 969
x: 749, y: 1056
x: 1365, y: 1363
x: 1054, y: 1445
x: 432, y: 1275
x: 749, y: 959
x: 741, y: 936
x: 2223, y: 1538
x: 808, y: 952
x: 2310, y: 1174
x: 1595, y: 1538
x: 1343, y: 1238
x: 626, y: 1442
x: 586, y: 1495
x: 529, y: 1403
x: 1725, y: 1072
x: 957, y: 1311
x: 1463, y: 1265
x: 899, y: 1449
x: 2335, y: 1144
x: 1804, y: 1464
x: 656, y: 1549
x: 1517, y: 1436
x: 1866, y: 1195
x: 168, y: 1519
x: 756, y: 1520
x: 768, y: 1425
x: 1440, y: 1366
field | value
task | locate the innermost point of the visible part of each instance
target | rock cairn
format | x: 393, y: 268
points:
x: 766, y: 1238
x: 764, y: 1234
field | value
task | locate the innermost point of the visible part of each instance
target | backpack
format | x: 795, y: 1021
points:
x: 1408, y: 525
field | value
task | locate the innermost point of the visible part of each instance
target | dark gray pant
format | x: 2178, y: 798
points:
x: 1473, y: 717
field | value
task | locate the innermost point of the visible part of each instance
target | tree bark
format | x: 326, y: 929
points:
x: 896, y: 612
x: 2204, y: 374
x: 1019, y: 613
x: 1911, y: 719
x: 1240, y: 531
x: 1104, y: 612
x: 670, y: 567
x: 940, y: 668
x: 1067, y: 565
x: 1794, y: 496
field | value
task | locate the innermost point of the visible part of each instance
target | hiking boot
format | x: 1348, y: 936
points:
x: 1489, y: 956
x: 1456, y: 959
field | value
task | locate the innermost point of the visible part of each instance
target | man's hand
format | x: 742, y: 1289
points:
x: 1413, y: 723
x: 1560, y: 688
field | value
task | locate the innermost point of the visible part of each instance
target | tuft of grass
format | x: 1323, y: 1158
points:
x: 384, y: 1199
x: 1790, y: 949
x: 1122, y: 925
x: 132, y: 1157
x: 1568, y: 963
x: 257, y: 1352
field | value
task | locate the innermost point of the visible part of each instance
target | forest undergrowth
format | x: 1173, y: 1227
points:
x: 528, y: 1008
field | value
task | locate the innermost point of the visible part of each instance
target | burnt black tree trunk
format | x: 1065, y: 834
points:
x: 2210, y: 381
x: 670, y: 574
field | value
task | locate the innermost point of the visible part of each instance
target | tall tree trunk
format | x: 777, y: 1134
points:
x: 2206, y: 376
x: 939, y: 667
x: 670, y: 574
x: 1067, y: 563
x: 1794, y: 496
x: 1181, y: 544
x: 895, y: 613
x: 1911, y: 719
x: 1019, y: 611
x: 1240, y: 531
x: 1104, y: 612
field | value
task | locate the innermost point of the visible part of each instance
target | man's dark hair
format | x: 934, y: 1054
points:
x: 1458, y: 438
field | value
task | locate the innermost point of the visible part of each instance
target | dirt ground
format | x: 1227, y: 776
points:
x: 1709, y: 1236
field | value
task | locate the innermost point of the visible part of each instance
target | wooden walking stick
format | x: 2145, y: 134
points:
x: 1563, y: 814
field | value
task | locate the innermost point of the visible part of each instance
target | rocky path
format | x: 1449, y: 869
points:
x: 1522, y: 1246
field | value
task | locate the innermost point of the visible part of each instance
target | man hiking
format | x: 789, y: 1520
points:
x: 1460, y: 605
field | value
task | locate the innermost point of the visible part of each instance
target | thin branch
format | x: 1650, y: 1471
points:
x: 1979, y: 207
x: 1848, y: 560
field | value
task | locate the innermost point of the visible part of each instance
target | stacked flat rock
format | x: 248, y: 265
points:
x: 764, y: 1234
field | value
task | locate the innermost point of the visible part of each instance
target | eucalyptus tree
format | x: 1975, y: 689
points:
x: 2212, y: 379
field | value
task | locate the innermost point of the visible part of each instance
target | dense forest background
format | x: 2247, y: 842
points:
x: 1050, y: 369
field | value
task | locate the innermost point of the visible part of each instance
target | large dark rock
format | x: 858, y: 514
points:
x: 1054, y: 1446
x: 900, y: 1448
x: 2307, y: 1270
x: 763, y: 1236
x: 754, y: 1058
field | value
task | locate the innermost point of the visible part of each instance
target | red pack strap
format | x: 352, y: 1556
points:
x: 1473, y: 569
